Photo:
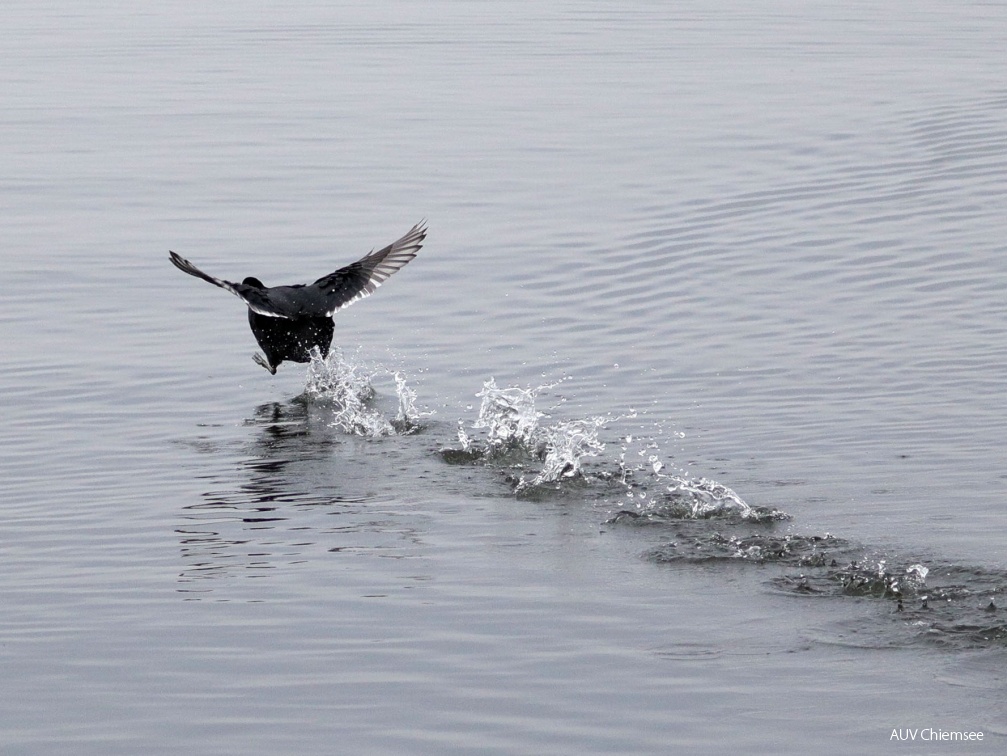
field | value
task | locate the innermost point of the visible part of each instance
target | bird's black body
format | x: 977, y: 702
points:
x: 291, y: 340
x: 289, y: 321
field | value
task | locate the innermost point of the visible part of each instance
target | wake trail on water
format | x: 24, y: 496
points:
x: 704, y: 521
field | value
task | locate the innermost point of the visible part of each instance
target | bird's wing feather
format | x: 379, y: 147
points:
x: 346, y: 285
x: 254, y: 297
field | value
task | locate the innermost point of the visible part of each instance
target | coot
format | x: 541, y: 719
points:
x: 288, y: 321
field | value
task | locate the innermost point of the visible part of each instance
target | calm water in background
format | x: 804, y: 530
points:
x: 767, y: 241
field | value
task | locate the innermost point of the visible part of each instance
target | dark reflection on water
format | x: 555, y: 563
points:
x: 249, y: 520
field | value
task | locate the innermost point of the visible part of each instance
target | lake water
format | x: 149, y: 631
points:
x: 686, y: 432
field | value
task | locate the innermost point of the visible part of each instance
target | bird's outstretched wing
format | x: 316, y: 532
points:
x: 346, y: 285
x: 329, y: 293
x: 253, y: 296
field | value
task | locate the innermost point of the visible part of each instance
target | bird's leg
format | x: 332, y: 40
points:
x: 260, y: 360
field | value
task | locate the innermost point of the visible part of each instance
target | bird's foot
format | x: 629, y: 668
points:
x: 258, y: 359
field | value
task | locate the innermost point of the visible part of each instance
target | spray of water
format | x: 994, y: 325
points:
x: 657, y: 495
x: 347, y: 386
x: 510, y: 429
x: 565, y: 445
x: 509, y: 417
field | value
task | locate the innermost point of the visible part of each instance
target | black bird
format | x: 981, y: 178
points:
x: 288, y: 321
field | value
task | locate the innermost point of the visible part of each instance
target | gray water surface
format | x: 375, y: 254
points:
x: 760, y: 244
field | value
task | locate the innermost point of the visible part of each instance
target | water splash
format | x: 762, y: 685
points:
x: 509, y: 416
x: 513, y: 432
x: 407, y: 420
x: 659, y: 496
x: 566, y: 445
x: 705, y: 499
x: 347, y: 385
